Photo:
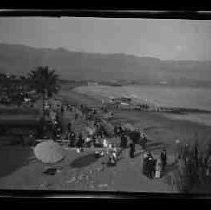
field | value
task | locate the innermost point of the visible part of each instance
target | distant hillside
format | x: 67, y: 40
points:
x: 20, y: 59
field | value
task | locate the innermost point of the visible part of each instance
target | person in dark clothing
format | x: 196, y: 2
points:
x: 132, y: 150
x: 163, y: 158
x: 69, y: 125
x: 151, y: 167
x: 100, y: 131
x: 196, y: 153
x: 120, y: 130
x: 62, y: 109
x: 115, y: 130
x: 80, y: 140
x: 186, y: 152
x: 72, y: 139
x: 123, y: 143
x: 76, y: 116
x: 94, y: 111
x: 144, y: 142
x: 145, y: 162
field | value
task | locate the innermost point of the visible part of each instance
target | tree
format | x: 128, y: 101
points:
x: 44, y: 81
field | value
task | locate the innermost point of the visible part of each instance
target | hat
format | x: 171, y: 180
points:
x: 177, y: 141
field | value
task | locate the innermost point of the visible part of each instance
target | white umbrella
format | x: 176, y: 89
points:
x: 49, y: 152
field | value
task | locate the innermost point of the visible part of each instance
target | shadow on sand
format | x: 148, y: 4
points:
x: 13, y: 158
x: 155, y: 146
x: 170, y: 167
x: 83, y: 161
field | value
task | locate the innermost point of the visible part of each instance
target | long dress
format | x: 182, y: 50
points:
x: 151, y: 167
x: 158, y: 168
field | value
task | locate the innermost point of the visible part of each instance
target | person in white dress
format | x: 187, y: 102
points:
x: 105, y: 143
x: 158, y: 168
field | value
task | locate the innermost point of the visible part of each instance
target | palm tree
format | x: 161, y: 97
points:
x: 44, y: 81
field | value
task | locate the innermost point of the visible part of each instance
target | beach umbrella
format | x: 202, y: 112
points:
x: 49, y: 151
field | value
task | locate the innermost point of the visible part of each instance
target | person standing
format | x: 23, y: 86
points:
x: 158, y: 168
x: 80, y: 140
x: 122, y: 141
x: 112, y: 161
x: 144, y: 140
x: 76, y: 116
x: 145, y: 162
x: 186, y: 152
x: 72, y: 139
x: 115, y: 131
x: 163, y: 158
x: 69, y: 126
x: 178, y: 152
x: 151, y: 167
x: 105, y: 143
x: 132, y: 150
x: 196, y: 153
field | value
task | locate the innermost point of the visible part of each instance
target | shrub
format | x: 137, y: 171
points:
x: 191, y: 168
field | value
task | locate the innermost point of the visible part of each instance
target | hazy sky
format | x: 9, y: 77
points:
x: 164, y: 39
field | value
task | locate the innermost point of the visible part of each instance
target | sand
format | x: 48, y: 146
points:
x: 83, y: 172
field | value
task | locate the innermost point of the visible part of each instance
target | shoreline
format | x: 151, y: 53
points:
x: 183, y: 99
x: 157, y: 125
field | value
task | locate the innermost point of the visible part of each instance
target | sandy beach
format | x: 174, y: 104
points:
x: 81, y: 171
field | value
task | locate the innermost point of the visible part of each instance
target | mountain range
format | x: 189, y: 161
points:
x: 70, y: 65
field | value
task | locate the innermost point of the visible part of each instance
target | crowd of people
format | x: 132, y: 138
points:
x: 98, y: 137
x: 154, y: 168
x: 53, y: 125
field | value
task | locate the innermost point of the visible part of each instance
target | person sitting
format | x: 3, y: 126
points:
x: 109, y: 148
x: 99, y: 154
x: 98, y: 143
x: 112, y: 158
x: 88, y: 141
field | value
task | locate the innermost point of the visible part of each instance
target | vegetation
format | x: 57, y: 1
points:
x: 12, y: 88
x: 44, y: 81
x: 193, y: 168
x: 19, y: 89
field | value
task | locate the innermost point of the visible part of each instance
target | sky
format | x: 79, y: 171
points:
x: 167, y: 39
